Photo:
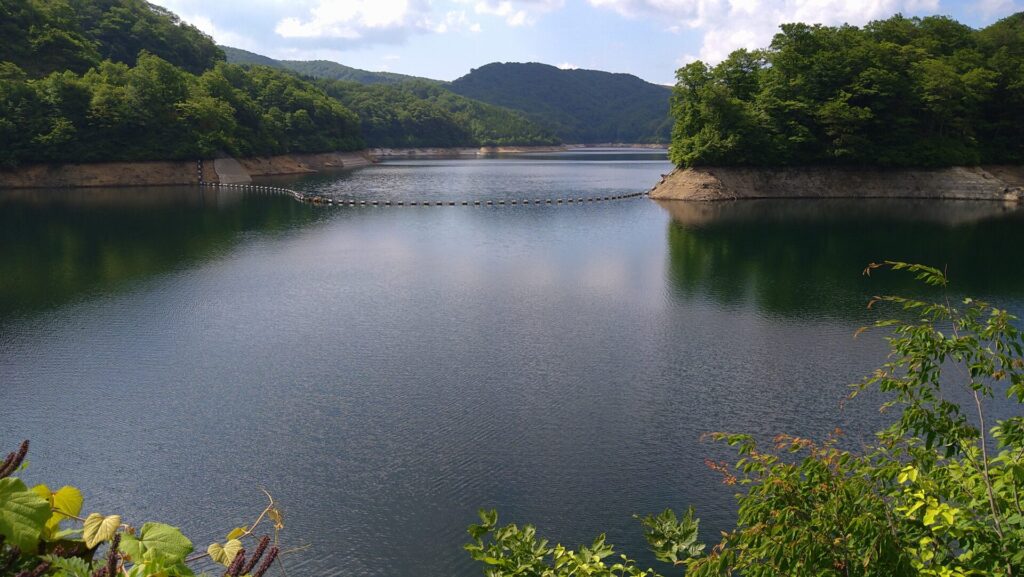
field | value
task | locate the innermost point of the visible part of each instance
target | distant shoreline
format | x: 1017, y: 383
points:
x: 241, y: 170
x: 999, y: 183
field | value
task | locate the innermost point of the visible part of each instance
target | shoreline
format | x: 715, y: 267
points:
x: 714, y: 184
x: 243, y: 170
x: 175, y: 172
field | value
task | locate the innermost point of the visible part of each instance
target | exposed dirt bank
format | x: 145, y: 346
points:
x: 641, y: 145
x: 730, y: 183
x: 186, y: 172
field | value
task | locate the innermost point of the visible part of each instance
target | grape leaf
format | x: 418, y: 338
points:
x: 99, y: 528
x: 23, y: 514
x: 224, y: 554
x: 158, y: 538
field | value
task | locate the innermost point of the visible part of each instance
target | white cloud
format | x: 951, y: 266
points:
x: 372, y: 20
x: 356, y: 19
x: 516, y: 12
x: 567, y: 66
x: 991, y: 7
x: 727, y: 25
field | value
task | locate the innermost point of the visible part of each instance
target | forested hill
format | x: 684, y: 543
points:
x: 318, y: 68
x: 584, y: 106
x: 100, y: 80
x: 44, y: 36
x: 104, y: 80
x: 897, y: 92
x: 425, y: 114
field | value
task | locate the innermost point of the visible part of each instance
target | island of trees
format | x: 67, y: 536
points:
x: 896, y: 92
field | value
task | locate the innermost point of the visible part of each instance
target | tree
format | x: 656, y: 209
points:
x: 898, y: 92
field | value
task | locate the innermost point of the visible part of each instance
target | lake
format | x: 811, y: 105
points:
x: 385, y: 372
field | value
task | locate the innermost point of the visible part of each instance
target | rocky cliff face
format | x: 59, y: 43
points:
x: 731, y: 183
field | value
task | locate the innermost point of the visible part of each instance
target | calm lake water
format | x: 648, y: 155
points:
x: 385, y: 372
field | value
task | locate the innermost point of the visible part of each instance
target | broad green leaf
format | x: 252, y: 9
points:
x: 159, y: 539
x: 43, y: 491
x: 68, y: 500
x: 23, y: 514
x: 237, y: 532
x: 98, y: 528
x: 224, y: 554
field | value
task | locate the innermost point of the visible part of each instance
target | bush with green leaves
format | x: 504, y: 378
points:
x: 939, y: 492
x: 35, y: 538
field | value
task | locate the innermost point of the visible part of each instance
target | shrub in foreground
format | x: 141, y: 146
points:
x: 938, y: 494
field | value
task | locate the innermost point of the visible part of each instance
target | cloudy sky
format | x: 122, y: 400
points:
x: 444, y: 39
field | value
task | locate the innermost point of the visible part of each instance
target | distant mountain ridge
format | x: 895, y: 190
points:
x: 577, y: 106
x: 318, y: 68
x: 584, y: 106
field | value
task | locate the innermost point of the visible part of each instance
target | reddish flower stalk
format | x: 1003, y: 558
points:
x: 256, y: 555
x: 14, y: 460
x: 236, y: 564
x: 271, y: 555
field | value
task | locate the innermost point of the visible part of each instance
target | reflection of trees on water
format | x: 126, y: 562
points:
x: 56, y: 245
x: 798, y: 257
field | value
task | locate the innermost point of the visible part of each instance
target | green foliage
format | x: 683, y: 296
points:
x: 49, y: 36
x: 23, y: 514
x: 511, y: 550
x: 938, y: 494
x: 578, y: 106
x: 157, y: 111
x: 672, y: 540
x: 324, y: 69
x: 897, y: 92
x: 32, y: 544
x: 424, y: 114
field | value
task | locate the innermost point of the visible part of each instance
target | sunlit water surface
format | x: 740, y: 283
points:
x: 385, y: 372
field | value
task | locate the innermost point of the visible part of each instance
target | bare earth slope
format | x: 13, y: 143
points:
x: 731, y: 183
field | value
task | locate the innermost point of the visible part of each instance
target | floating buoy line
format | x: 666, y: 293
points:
x: 328, y: 201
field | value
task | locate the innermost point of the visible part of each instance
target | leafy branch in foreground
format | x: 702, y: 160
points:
x: 938, y: 493
x: 33, y: 542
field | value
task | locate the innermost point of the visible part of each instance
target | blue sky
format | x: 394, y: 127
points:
x: 444, y: 39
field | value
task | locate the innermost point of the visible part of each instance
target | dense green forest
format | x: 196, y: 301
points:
x: 420, y: 113
x: 397, y: 110
x: 584, y: 106
x: 98, y: 80
x: 319, y: 68
x: 93, y: 80
x: 41, y: 37
x: 897, y: 92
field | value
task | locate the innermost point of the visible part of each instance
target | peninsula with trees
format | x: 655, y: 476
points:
x: 881, y: 110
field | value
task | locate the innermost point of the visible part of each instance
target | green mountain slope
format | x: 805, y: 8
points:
x: 425, y: 114
x: 318, y: 68
x: 578, y: 105
x: 43, y: 36
x: 101, y: 80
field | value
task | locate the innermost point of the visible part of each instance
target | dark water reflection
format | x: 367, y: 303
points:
x: 60, y: 245
x: 795, y: 258
x: 385, y: 372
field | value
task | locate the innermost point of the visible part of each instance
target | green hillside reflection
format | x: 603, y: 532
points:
x: 60, y: 245
x: 804, y: 257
